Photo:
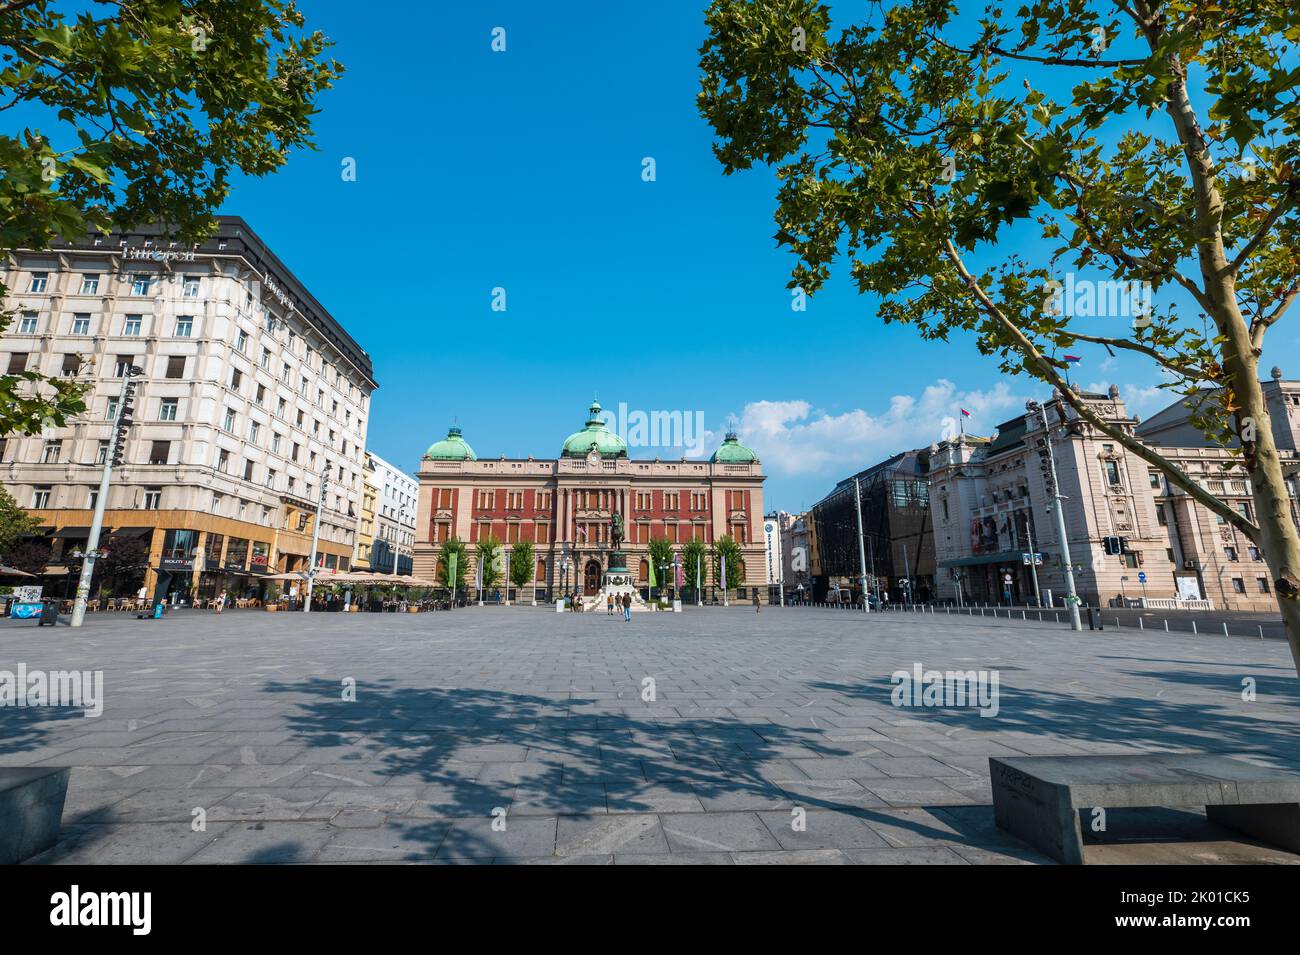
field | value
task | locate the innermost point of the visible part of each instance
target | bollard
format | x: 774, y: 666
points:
x: 1261, y: 631
x: 1166, y: 626
x: 1117, y: 623
x: 1141, y: 625
x: 1225, y: 628
x: 1022, y: 615
x: 1195, y: 632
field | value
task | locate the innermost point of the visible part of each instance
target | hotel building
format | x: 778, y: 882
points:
x: 394, y: 517
x: 563, y: 506
x: 251, y: 396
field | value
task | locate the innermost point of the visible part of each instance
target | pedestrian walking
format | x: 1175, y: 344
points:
x: 609, y: 605
x: 758, y: 607
x: 627, y: 607
x: 221, y: 601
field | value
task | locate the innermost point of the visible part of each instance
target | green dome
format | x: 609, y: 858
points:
x: 578, y: 444
x: 733, y: 452
x: 451, y: 448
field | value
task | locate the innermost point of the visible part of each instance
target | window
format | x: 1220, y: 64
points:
x: 260, y: 395
x: 41, y: 496
x: 81, y: 324
x: 159, y: 452
x: 266, y: 358
x: 254, y: 431
x: 140, y: 284
x: 241, y: 340
x: 1254, y: 552
x: 1262, y: 584
x: 229, y: 424
x: 101, y: 453
x: 110, y: 410
x: 123, y: 366
x: 175, y: 366
x: 293, y: 454
x: 1112, y: 472
x: 71, y: 365
x: 1238, y: 585
x: 90, y: 284
x: 27, y: 324
x: 92, y: 498
x: 191, y: 287
x: 275, y: 442
x: 1230, y: 553
x: 167, y: 409
x: 152, y: 498
x: 184, y: 326
x: 51, y: 451
x: 1243, y: 508
x: 248, y: 470
x: 17, y: 362
x: 1154, y: 478
x: 236, y: 377
x: 223, y: 461
x: 39, y: 281
x: 132, y: 327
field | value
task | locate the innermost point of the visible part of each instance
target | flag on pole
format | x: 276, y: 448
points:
x: 652, y: 581
x: 965, y: 413
x: 1072, y: 359
x: 722, y: 564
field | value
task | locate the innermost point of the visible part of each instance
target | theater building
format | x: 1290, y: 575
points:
x: 563, y: 506
x: 249, y: 394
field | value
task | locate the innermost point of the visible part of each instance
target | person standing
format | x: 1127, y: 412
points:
x: 221, y: 601
x: 758, y: 607
x: 627, y: 607
x: 609, y: 605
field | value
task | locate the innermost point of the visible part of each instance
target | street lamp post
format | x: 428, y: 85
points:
x: 115, y: 448
x: 1071, y: 598
x: 315, y: 538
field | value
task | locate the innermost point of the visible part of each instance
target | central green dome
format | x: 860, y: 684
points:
x: 733, y: 452
x: 451, y: 448
x: 578, y: 444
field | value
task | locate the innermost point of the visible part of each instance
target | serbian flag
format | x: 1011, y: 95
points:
x: 1072, y: 359
x: 965, y: 413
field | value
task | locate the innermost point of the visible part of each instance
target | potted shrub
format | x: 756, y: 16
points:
x: 273, y: 598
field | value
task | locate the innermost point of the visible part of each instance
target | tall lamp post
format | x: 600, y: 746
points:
x: 112, y: 458
x: 315, y: 537
x: 1071, y: 597
x: 397, y: 538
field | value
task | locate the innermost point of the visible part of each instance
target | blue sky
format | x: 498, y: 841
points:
x: 522, y: 170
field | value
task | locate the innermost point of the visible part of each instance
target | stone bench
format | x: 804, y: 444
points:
x: 1038, y: 798
x: 31, y: 810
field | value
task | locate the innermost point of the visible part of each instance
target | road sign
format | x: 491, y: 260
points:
x: 1142, y: 576
x: 1038, y: 559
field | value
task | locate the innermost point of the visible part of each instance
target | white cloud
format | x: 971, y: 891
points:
x: 793, y: 438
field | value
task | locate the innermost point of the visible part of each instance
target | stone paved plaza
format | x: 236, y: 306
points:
x: 463, y: 717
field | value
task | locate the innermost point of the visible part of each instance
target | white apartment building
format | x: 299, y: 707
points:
x: 251, y: 395
x: 396, y: 500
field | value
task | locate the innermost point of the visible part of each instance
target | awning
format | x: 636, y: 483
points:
x: 131, y: 531
x: 1005, y: 557
x: 13, y: 572
x: 71, y: 532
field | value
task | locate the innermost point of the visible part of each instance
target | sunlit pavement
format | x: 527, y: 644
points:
x: 518, y: 734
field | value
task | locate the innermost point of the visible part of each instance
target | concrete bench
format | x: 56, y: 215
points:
x: 1038, y: 798
x: 31, y: 810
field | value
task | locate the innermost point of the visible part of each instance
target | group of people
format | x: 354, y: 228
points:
x: 613, y: 603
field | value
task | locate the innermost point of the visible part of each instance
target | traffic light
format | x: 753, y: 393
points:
x: 1123, y: 545
x: 1111, y: 545
x: 125, y: 418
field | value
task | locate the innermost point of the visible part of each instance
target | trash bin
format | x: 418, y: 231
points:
x: 49, y: 613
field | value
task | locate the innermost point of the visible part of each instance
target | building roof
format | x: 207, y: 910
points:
x: 594, y: 434
x: 240, y: 239
x: 733, y: 452
x: 451, y: 448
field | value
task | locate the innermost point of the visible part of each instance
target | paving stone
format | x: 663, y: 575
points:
x: 540, y: 715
